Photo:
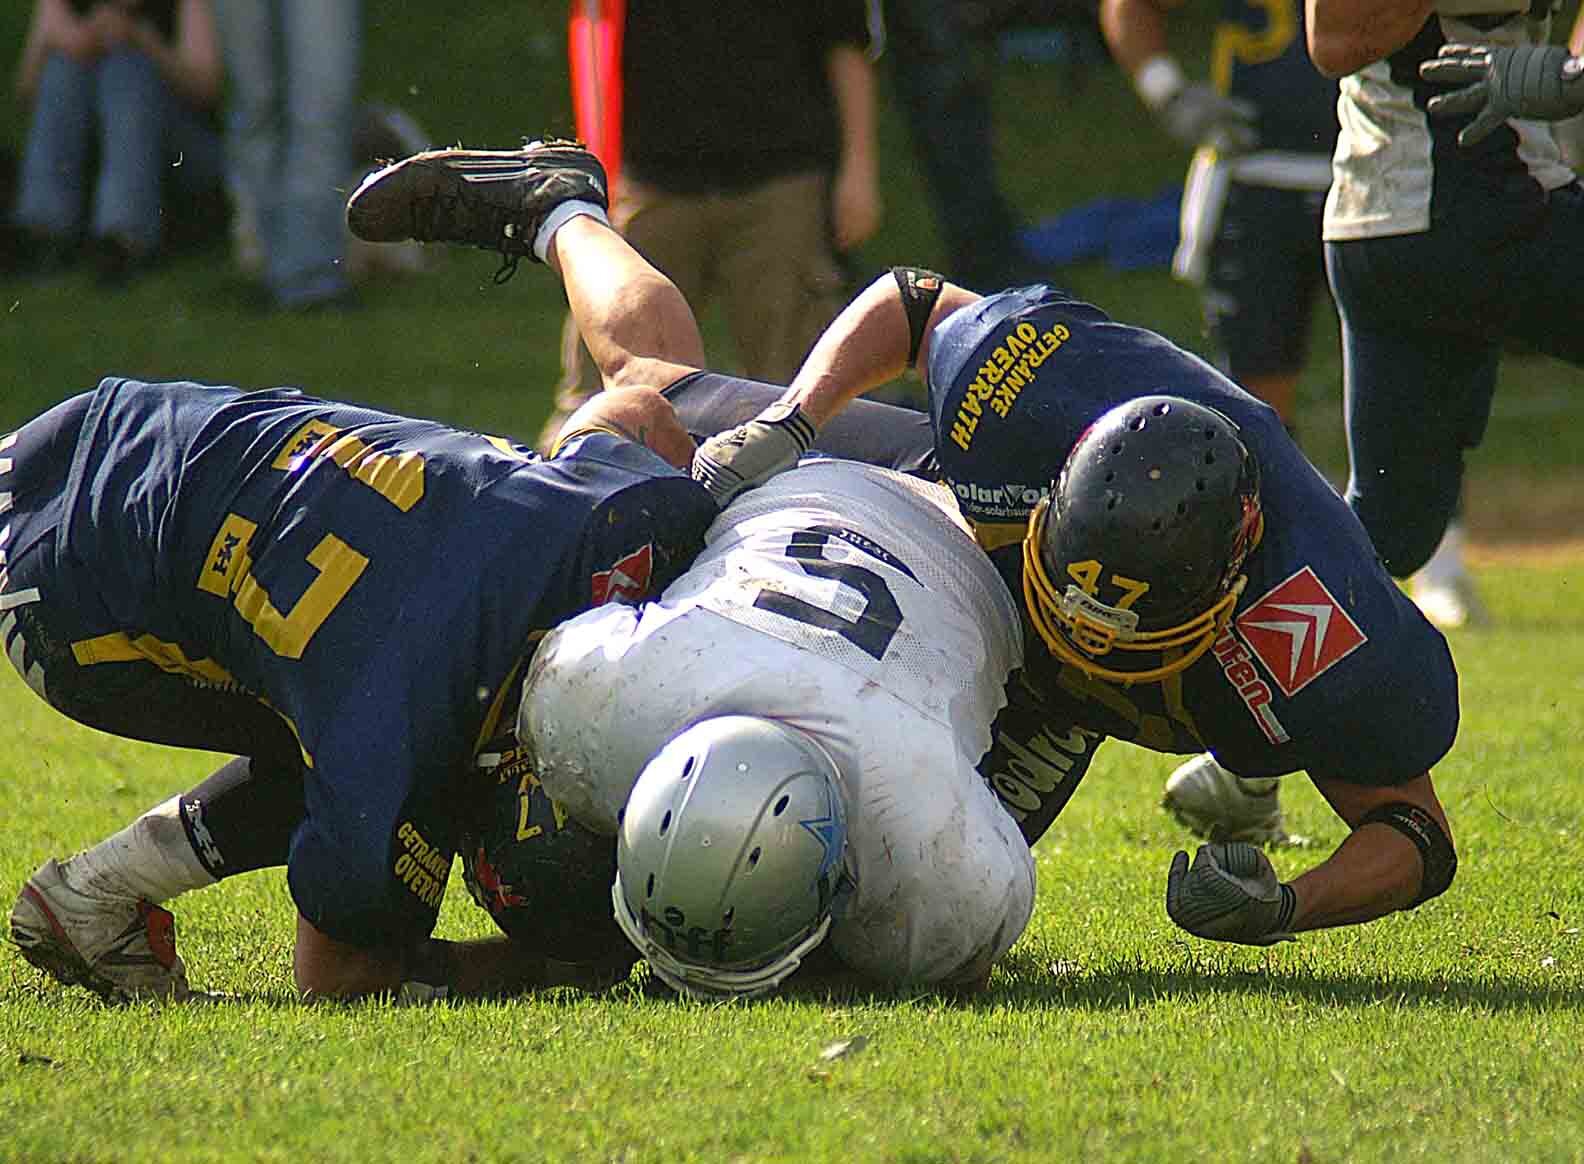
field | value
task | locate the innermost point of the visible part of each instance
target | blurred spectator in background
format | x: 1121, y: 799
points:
x: 122, y: 94
x: 1437, y: 253
x: 748, y: 167
x: 293, y: 72
x: 943, y: 57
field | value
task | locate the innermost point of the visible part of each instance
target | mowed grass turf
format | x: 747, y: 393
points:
x: 1451, y: 1033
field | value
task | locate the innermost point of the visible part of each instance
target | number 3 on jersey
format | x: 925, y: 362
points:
x: 876, y: 624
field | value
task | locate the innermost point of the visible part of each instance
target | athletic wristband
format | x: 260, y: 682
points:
x: 1158, y: 80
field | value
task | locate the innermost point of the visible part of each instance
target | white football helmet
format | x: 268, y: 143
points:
x: 729, y: 855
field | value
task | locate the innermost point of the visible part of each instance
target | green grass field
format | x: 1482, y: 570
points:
x: 1449, y: 1034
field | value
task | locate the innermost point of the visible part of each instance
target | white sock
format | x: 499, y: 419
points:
x: 560, y: 215
x: 150, y: 858
x: 1446, y: 564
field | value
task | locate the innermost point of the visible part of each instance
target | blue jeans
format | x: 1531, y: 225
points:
x: 1423, y: 320
x: 119, y: 108
x: 944, y: 72
x: 292, y: 68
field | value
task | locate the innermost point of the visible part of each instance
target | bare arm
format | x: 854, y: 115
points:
x: 190, y: 64
x: 54, y: 28
x: 1376, y: 870
x: 855, y: 195
x: 1346, y: 35
x: 484, y: 968
x: 1135, y: 30
x: 194, y: 67
x: 864, y: 347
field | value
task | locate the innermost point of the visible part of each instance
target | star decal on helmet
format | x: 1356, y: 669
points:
x: 829, y: 832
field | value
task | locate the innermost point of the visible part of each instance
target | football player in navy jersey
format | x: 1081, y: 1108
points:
x: 342, y: 598
x: 1196, y: 584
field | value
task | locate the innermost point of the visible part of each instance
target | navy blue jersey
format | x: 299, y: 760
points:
x: 375, y: 579
x: 1260, y: 53
x: 1328, y: 667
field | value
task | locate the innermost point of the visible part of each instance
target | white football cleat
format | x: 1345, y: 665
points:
x: 1216, y: 805
x: 1449, y: 603
x: 122, y: 949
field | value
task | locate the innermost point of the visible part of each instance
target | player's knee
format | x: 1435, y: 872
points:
x: 1404, y: 537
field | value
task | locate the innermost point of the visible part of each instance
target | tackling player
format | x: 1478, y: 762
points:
x: 1194, y: 583
x: 342, y: 598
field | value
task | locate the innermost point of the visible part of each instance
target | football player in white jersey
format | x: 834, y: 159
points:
x: 838, y: 636
x: 787, y: 739
x: 1446, y: 237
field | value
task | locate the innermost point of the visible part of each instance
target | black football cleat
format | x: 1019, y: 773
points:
x: 494, y: 199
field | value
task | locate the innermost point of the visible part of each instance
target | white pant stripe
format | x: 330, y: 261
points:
x: 7, y: 441
x: 5, y: 535
x: 5, y: 464
x: 5, y: 502
x: 20, y: 598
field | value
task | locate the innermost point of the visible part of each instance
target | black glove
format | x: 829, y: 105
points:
x: 1230, y: 894
x: 752, y: 453
x: 1540, y: 82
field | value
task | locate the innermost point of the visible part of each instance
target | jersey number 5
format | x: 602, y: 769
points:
x: 877, y: 623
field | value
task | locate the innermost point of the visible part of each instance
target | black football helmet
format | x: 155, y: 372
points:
x: 544, y: 878
x: 1132, y: 565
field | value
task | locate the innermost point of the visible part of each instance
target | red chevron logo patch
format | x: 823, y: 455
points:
x: 1299, y: 631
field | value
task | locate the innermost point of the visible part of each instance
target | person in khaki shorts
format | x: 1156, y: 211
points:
x: 744, y: 181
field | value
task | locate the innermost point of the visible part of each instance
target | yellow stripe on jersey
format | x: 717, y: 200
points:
x: 399, y: 478
x: 119, y: 647
x: 992, y: 535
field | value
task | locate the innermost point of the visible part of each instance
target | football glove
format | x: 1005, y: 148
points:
x: 1230, y: 894
x: 1533, y: 81
x: 752, y: 453
x: 1195, y: 114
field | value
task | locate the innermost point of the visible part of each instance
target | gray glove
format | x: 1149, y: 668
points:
x: 752, y: 453
x: 1197, y: 115
x: 1231, y: 894
x: 1541, y: 82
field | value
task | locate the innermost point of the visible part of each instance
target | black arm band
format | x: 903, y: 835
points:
x: 1435, y: 849
x: 920, y: 289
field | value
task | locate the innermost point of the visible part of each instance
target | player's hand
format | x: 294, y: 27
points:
x: 752, y: 453
x: 1533, y: 81
x: 1197, y: 115
x: 1230, y: 894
